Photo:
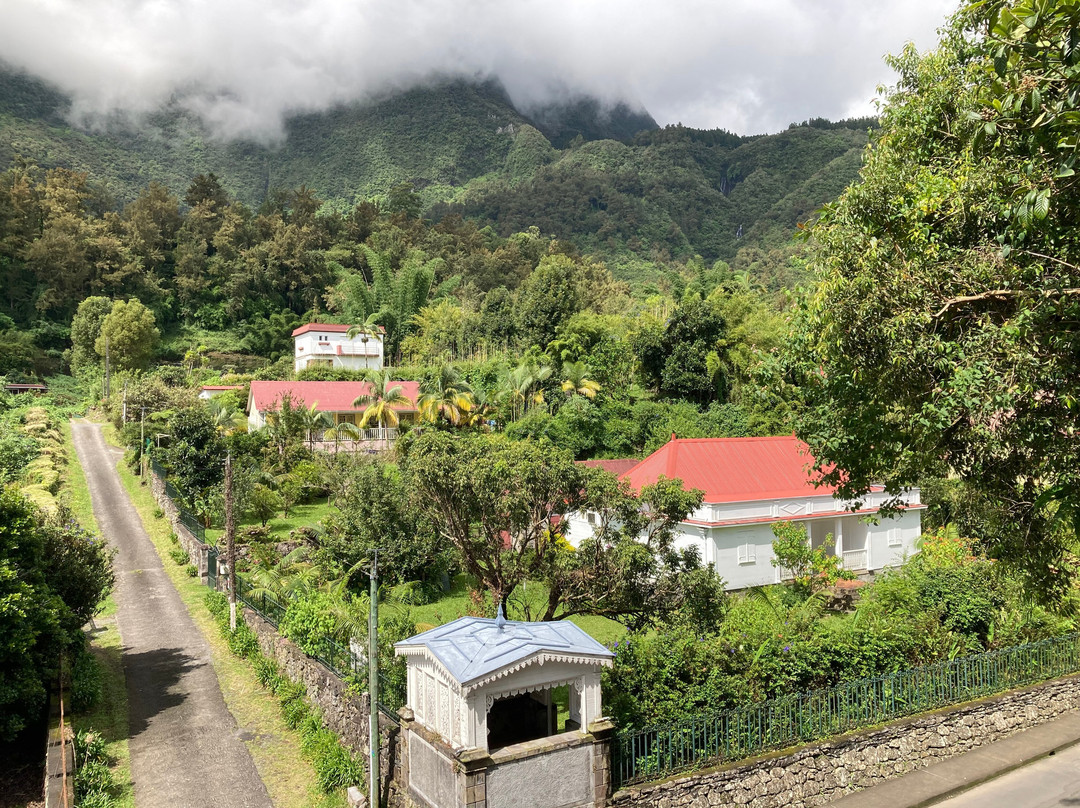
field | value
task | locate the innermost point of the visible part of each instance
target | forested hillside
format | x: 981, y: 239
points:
x: 657, y: 195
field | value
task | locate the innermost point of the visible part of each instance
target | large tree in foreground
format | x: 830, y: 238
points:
x: 502, y: 504
x: 944, y: 334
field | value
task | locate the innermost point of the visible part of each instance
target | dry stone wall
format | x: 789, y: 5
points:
x: 344, y: 712
x: 196, y: 550
x: 816, y: 774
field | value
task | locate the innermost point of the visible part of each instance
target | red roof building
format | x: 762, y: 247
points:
x: 326, y: 396
x: 748, y: 484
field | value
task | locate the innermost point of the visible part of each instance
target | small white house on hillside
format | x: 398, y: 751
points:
x: 328, y: 345
x: 750, y: 483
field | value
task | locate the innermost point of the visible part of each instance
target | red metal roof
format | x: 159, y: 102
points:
x: 617, y: 466
x: 733, y: 469
x: 333, y: 328
x: 327, y: 396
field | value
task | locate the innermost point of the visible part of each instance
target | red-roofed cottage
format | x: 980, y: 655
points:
x: 335, y: 398
x: 328, y: 344
x: 750, y: 483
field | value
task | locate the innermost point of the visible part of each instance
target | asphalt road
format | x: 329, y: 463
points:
x: 1052, y: 782
x: 185, y: 750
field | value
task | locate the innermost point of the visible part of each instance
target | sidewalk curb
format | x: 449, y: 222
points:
x: 933, y: 784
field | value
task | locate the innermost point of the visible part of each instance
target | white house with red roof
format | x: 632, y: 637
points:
x: 328, y: 345
x: 750, y: 483
x: 335, y: 398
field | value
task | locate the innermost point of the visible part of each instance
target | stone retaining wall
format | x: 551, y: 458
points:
x: 816, y: 774
x: 344, y: 712
x: 196, y: 550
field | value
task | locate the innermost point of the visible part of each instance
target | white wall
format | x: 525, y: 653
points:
x: 742, y: 554
x: 319, y: 346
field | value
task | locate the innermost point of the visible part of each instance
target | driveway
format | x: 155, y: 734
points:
x: 183, y: 740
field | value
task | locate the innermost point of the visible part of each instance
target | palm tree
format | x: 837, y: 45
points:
x: 340, y: 432
x: 314, y: 421
x: 380, y: 402
x: 446, y: 396
x: 227, y: 419
x: 482, y: 410
x: 522, y: 387
x: 575, y: 382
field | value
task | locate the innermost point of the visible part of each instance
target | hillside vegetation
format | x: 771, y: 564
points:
x: 652, y: 194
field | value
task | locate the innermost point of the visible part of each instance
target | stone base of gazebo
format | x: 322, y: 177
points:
x: 569, y: 770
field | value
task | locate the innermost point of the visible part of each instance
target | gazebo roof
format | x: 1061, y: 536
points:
x: 475, y: 649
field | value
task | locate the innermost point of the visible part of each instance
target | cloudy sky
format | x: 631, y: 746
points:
x: 745, y: 65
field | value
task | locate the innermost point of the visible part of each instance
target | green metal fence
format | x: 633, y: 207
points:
x: 336, y: 657
x: 662, y: 750
x: 186, y: 517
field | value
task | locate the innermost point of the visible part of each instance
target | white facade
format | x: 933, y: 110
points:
x: 736, y: 537
x: 330, y: 347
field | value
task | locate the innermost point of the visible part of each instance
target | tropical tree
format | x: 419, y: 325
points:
x: 445, y: 397
x: 380, y: 402
x: 341, y: 431
x: 128, y: 334
x: 314, y: 422
x: 522, y: 386
x: 227, y: 418
x: 575, y: 381
x: 941, y: 339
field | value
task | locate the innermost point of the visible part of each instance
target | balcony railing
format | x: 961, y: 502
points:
x: 855, y: 559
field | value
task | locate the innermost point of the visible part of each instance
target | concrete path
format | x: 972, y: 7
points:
x: 961, y: 774
x: 1047, y: 783
x: 184, y: 745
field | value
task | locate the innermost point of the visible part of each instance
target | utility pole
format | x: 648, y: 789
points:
x: 373, y: 685
x: 106, y: 366
x: 142, y: 441
x: 123, y: 418
x: 230, y: 540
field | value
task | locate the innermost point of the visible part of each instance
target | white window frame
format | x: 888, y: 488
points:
x: 747, y: 552
x: 895, y: 539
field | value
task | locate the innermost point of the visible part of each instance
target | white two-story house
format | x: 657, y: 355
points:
x: 750, y: 483
x: 328, y: 344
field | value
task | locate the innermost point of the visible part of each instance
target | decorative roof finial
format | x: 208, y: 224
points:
x: 500, y: 618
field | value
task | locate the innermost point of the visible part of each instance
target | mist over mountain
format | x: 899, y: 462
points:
x: 606, y: 178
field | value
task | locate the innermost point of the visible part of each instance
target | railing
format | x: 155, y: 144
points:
x: 362, y: 436
x: 185, y: 517
x: 854, y: 559
x: 338, y: 658
x: 779, y: 723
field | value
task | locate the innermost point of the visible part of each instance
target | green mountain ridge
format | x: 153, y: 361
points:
x: 618, y: 186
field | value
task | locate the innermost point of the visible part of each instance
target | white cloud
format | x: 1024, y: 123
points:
x: 245, y: 64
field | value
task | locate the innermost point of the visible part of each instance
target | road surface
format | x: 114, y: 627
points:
x: 1051, y: 782
x: 185, y: 750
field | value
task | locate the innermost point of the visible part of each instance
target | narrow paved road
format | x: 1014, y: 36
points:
x: 1048, y: 783
x: 184, y: 745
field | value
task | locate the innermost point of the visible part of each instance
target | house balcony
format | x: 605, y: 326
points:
x: 379, y: 439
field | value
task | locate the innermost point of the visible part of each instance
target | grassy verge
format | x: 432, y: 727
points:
x: 109, y: 716
x: 275, y: 748
x: 457, y: 603
x: 310, y: 515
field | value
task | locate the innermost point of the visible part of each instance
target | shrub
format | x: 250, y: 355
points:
x: 308, y: 620
x: 179, y: 555
x: 85, y: 681
x: 191, y: 570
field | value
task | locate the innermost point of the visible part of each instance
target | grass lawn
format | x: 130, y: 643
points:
x: 299, y: 516
x: 456, y: 603
x: 110, y: 716
x: 275, y: 749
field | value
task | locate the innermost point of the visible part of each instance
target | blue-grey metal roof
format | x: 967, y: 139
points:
x: 472, y: 648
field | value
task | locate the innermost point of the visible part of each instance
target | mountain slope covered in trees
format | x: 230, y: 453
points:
x: 652, y: 194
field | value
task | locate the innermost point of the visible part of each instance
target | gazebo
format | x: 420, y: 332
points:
x: 481, y: 723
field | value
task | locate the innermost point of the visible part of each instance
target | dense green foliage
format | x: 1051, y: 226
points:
x: 667, y: 193
x: 941, y: 339
x: 778, y: 641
